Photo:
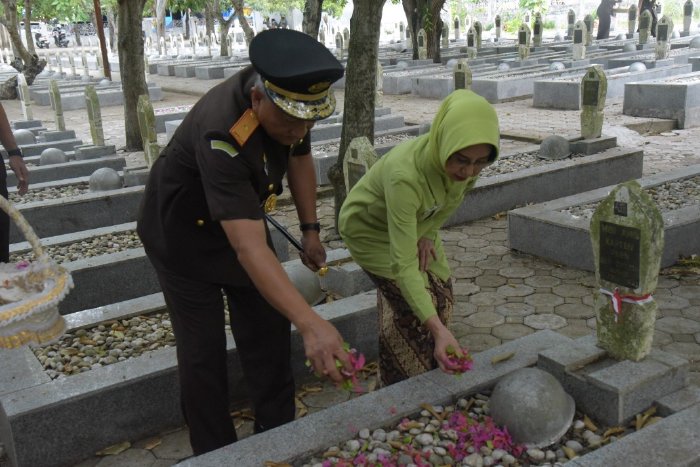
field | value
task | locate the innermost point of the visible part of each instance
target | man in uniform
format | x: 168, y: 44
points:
x: 16, y: 162
x: 202, y: 226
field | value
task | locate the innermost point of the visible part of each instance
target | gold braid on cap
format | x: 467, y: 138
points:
x: 295, y: 95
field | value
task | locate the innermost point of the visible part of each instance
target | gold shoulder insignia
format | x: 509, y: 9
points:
x: 244, y: 127
x: 228, y: 148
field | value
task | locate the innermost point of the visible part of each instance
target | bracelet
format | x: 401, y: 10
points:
x: 15, y: 152
x: 310, y: 226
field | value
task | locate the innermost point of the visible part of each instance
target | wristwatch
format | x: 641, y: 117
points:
x: 15, y: 152
x: 310, y: 226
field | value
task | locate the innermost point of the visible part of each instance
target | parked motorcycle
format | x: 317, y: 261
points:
x: 41, y: 41
x: 59, y: 38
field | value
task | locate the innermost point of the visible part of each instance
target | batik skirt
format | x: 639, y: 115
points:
x: 405, y: 346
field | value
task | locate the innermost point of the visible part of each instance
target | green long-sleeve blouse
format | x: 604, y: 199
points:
x: 407, y: 195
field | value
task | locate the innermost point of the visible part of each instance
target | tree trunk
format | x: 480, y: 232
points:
x: 28, y: 26
x: 113, y: 31
x: 425, y: 14
x: 160, y: 18
x: 223, y: 35
x: 410, y: 8
x: 435, y: 39
x: 247, y: 30
x: 312, y: 17
x: 131, y: 67
x: 360, y: 82
x: 76, y: 30
x: 186, y: 23
x: 25, y: 62
x: 209, y: 19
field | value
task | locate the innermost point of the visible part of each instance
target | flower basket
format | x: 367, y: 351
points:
x: 30, y: 293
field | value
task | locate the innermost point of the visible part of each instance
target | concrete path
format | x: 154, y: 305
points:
x: 501, y: 295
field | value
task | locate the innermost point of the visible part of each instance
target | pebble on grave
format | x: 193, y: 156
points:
x: 627, y: 235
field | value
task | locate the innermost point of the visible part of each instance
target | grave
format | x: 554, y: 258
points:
x: 515, y: 84
x: 627, y: 235
x: 496, y: 193
x: 69, y: 170
x: 676, y: 97
x: 565, y: 92
x: 550, y: 230
x: 295, y: 442
x: 132, y: 398
x: 74, y: 99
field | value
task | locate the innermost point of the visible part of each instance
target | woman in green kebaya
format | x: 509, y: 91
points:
x: 390, y: 222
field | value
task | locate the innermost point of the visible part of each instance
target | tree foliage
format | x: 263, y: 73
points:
x: 25, y: 61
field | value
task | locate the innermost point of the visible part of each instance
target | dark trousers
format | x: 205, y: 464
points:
x: 262, y: 338
x: 4, y: 219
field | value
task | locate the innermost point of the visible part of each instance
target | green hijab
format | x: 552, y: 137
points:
x: 464, y: 119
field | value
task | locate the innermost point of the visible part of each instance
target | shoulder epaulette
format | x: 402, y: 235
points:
x: 244, y: 127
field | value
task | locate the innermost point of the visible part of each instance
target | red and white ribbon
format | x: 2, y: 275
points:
x: 617, y: 300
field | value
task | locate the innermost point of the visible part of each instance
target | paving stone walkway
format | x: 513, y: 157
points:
x: 501, y: 294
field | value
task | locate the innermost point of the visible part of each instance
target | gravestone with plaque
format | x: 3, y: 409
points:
x: 92, y: 103
x: 588, y: 38
x: 23, y: 94
x: 55, y: 96
x: 631, y: 21
x: 456, y: 28
x: 402, y: 31
x: 537, y: 30
x: 445, y: 35
x: 664, y: 28
x: 379, y: 85
x: 570, y: 24
x: 594, y: 87
x: 339, y: 45
x: 627, y: 234
x: 359, y: 157
x: 644, y: 27
x: 73, y: 72
x: 462, y: 75
x: 579, y: 48
x: 687, y: 17
x: 322, y: 36
x: 422, y: 45
x: 523, y: 41
x: 98, y: 148
x: 346, y: 38
x: 147, y: 125
x: 478, y: 29
x: 471, y: 43
x: 497, y: 23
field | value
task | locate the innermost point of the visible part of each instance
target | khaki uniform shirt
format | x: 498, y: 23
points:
x: 211, y: 170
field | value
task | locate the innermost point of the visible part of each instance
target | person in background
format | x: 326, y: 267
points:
x: 605, y: 13
x: 202, y: 226
x: 390, y: 222
x: 21, y: 173
x: 651, y: 6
